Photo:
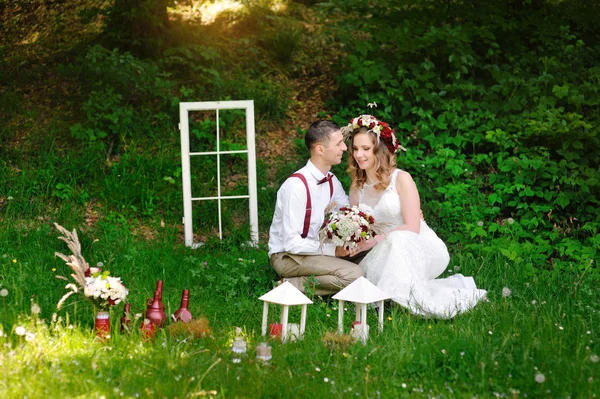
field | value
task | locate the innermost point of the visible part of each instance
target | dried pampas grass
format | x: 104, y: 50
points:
x: 197, y: 328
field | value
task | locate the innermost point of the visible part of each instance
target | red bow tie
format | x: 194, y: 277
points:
x: 325, y: 179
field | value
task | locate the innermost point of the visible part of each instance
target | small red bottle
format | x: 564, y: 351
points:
x: 155, y: 312
x: 147, y: 329
x: 183, y: 313
x: 126, y: 320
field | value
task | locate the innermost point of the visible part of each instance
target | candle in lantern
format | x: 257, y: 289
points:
x: 275, y: 330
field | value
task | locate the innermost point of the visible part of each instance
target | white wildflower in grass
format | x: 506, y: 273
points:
x: 540, y: 378
x: 443, y: 351
x: 480, y: 223
x: 510, y: 220
x: 594, y: 358
x: 462, y: 354
x: 317, y: 369
x: 404, y: 385
x: 561, y: 328
x: 490, y: 332
x: 506, y: 292
x: 35, y: 309
x: 326, y: 379
x: 29, y: 336
x: 20, y: 331
x: 534, y: 302
x: 588, y: 332
x: 3, y: 292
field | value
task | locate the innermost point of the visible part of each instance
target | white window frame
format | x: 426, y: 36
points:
x: 184, y: 127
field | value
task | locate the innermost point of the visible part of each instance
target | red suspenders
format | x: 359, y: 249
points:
x: 309, y: 202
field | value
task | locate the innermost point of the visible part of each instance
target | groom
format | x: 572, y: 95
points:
x: 295, y: 252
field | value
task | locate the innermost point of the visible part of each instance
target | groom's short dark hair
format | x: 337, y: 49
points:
x: 319, y: 132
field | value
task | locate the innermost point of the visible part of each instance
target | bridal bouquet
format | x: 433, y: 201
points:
x: 101, y: 289
x: 347, y: 227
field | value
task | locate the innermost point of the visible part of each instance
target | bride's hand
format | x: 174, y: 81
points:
x: 364, y: 246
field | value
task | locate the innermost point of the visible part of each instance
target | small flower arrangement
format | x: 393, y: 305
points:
x: 101, y: 289
x: 347, y: 227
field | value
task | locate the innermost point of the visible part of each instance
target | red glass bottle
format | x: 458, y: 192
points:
x: 183, y: 313
x: 147, y: 329
x: 155, y: 312
x: 126, y: 319
x: 159, y: 288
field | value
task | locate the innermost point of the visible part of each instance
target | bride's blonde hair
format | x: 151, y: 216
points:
x: 385, y: 162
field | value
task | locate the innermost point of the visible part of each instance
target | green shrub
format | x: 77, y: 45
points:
x: 127, y: 97
x: 498, y: 107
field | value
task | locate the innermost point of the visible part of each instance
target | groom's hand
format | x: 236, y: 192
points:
x: 340, y: 252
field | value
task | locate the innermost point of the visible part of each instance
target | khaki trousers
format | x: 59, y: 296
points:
x: 332, y: 274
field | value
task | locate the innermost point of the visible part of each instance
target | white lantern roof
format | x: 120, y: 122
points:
x: 361, y: 291
x: 286, y: 294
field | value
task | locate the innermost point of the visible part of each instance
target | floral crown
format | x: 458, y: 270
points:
x: 381, y: 129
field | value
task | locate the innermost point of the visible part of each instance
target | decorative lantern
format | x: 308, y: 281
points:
x: 361, y: 292
x: 285, y: 295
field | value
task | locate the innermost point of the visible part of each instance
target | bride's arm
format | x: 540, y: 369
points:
x: 410, y: 202
x: 353, y: 197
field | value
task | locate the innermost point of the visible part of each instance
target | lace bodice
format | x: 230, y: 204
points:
x: 384, y: 205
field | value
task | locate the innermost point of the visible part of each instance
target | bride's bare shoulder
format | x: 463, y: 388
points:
x: 403, y: 175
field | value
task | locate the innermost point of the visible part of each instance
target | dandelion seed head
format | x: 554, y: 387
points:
x: 35, y: 309
x: 480, y: 223
x: 594, y: 358
x: 444, y: 351
x: 506, y: 292
x: 3, y: 292
x: 540, y: 378
x: 462, y: 354
x: 588, y: 332
x: 534, y: 302
x: 29, y: 336
x: 510, y: 220
x: 325, y: 379
x: 404, y: 385
x: 20, y: 331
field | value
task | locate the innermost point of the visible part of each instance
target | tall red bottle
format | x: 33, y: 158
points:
x: 155, y: 312
x: 183, y: 313
x: 159, y: 288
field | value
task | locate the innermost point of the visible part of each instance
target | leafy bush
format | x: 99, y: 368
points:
x: 498, y: 105
x: 127, y: 97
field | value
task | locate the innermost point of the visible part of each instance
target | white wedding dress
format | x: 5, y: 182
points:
x: 405, y: 264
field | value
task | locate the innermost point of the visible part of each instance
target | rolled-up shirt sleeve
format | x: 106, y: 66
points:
x: 293, y: 210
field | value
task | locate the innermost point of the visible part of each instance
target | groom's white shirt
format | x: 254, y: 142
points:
x: 288, y: 220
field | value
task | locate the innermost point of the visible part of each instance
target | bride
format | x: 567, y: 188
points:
x: 406, y: 259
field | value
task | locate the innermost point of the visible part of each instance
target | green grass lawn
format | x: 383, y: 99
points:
x: 540, y: 341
